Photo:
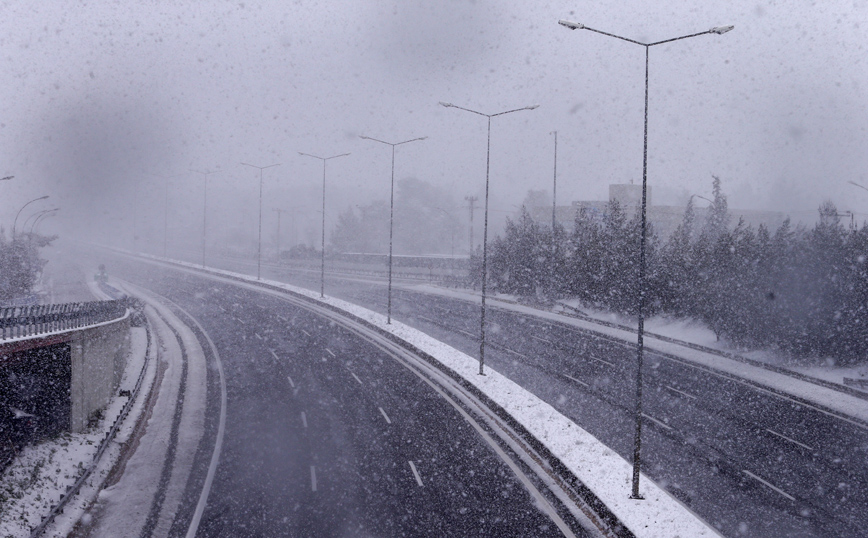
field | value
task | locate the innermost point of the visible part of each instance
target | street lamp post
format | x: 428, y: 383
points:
x: 637, y: 443
x: 42, y: 215
x: 554, y: 217
x: 165, y: 208
x: 14, y: 222
x: 391, y: 214
x: 485, y: 225
x: 259, y: 248
x: 279, y: 212
x: 205, y: 175
x: 36, y: 217
x: 322, y: 253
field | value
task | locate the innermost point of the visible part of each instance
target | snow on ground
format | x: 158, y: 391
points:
x: 606, y: 473
x: 695, y: 332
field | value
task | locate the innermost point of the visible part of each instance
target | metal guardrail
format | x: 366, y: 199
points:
x: 20, y: 321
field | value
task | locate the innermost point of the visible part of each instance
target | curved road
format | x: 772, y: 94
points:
x: 326, y: 434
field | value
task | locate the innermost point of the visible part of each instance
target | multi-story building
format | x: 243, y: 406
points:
x: 664, y: 218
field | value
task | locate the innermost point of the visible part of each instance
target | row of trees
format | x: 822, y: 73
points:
x: 798, y: 289
x: 426, y: 221
x: 20, y: 264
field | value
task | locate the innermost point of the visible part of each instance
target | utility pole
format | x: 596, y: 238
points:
x: 471, y: 200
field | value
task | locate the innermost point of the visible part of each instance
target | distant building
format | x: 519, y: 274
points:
x: 665, y: 219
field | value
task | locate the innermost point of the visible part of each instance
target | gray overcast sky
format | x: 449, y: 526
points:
x: 94, y: 93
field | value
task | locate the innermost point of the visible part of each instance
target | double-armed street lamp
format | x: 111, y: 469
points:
x: 15, y: 222
x: 259, y: 247
x: 205, y: 174
x: 485, y: 226
x: 391, y: 214
x: 322, y: 253
x: 637, y: 443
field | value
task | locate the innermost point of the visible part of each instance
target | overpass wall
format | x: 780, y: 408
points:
x: 98, y: 357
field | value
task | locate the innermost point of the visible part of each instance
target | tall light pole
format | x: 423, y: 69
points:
x: 14, y: 222
x: 259, y: 247
x: 391, y: 214
x: 322, y: 254
x: 165, y: 208
x: 205, y: 175
x: 485, y: 226
x: 42, y: 215
x: 637, y: 442
x: 554, y: 215
x: 279, y: 212
x: 36, y: 217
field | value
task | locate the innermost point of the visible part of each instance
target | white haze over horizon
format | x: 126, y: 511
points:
x: 98, y: 95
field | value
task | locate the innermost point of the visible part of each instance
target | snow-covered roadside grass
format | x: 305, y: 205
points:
x: 695, y: 332
x: 42, y: 473
x: 599, y: 468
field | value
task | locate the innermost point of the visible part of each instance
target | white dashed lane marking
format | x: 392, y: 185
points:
x: 784, y: 437
x: 416, y: 473
x: 769, y: 485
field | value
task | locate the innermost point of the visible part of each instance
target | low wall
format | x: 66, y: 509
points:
x: 98, y: 357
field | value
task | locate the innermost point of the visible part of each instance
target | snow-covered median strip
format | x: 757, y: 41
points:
x: 602, y: 470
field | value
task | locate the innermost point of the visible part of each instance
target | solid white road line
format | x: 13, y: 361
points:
x: 291, y: 384
x: 782, y: 436
x: 654, y: 420
x: 312, y: 478
x: 681, y: 392
x: 303, y: 419
x: 416, y: 473
x: 571, y: 378
x: 767, y: 484
x: 330, y: 352
x: 385, y: 416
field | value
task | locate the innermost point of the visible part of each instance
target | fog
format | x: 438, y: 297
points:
x: 103, y: 101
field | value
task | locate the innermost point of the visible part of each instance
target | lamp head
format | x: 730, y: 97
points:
x: 6, y: 178
x: 447, y: 105
x: 531, y: 107
x: 571, y: 25
x: 720, y: 30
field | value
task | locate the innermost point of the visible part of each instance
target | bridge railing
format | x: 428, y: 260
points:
x: 22, y: 321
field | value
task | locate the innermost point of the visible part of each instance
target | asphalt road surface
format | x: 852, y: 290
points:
x: 750, y: 462
x: 327, y: 435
